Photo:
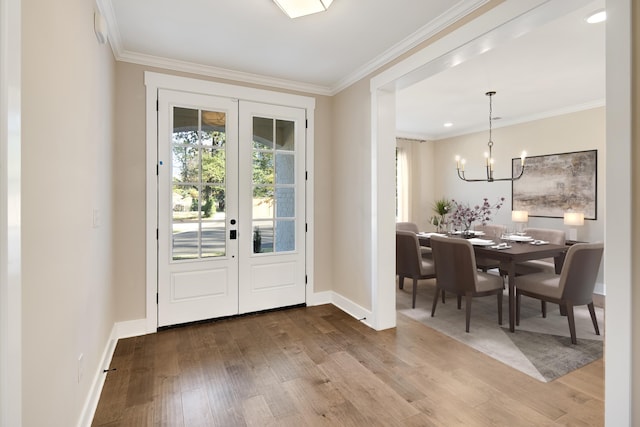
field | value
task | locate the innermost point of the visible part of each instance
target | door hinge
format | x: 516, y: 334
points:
x: 157, y: 234
x: 306, y: 175
x: 157, y: 170
x: 306, y: 124
x: 157, y: 105
x: 306, y: 227
x: 305, y: 279
x: 157, y: 298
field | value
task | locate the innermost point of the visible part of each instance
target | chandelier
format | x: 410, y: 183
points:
x: 489, y: 156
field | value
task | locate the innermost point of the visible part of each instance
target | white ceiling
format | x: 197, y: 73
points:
x: 559, y: 67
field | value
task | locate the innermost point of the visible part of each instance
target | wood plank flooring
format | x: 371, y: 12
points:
x: 318, y: 366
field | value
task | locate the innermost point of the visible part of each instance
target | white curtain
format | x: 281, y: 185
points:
x: 403, y: 181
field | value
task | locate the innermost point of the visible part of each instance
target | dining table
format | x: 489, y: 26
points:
x: 508, y: 257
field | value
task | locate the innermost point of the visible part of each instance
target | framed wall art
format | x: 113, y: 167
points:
x: 557, y: 183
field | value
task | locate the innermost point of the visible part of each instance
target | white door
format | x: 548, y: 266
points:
x: 230, y: 211
x: 272, y: 206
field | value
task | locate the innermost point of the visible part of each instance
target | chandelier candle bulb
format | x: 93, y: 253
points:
x: 489, y: 160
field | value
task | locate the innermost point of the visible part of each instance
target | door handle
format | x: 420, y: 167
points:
x: 233, y: 234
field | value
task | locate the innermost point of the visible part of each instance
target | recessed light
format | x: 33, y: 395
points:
x: 599, y: 15
x: 448, y: 124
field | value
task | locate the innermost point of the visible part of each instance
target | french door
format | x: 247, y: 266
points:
x: 231, y: 207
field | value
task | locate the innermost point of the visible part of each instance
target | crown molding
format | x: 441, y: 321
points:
x: 458, y: 11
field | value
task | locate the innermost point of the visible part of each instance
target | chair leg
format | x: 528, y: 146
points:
x: 592, y: 312
x: 435, y: 301
x: 401, y: 282
x: 468, y: 298
x: 459, y: 301
x: 543, y: 307
x: 500, y: 307
x: 518, y: 296
x: 572, y: 323
x: 415, y: 291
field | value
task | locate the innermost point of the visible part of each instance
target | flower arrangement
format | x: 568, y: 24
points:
x: 441, y: 208
x: 463, y: 216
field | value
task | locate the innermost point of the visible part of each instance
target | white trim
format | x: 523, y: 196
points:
x: 129, y: 328
x: 618, y: 409
x: 93, y: 397
x: 459, y: 10
x: 351, y: 308
x: 10, y: 214
x: 155, y: 81
x: 319, y: 298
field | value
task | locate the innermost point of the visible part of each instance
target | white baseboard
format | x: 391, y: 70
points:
x: 130, y: 328
x: 351, y: 308
x: 320, y: 298
x: 91, y: 403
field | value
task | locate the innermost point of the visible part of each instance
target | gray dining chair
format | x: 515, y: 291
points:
x: 573, y: 286
x: 547, y: 265
x: 456, y: 272
x: 491, y: 231
x: 410, y: 263
x: 413, y: 227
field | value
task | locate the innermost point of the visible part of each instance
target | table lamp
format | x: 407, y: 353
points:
x: 575, y: 219
x: 520, y: 218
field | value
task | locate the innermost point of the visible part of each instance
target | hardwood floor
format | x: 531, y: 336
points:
x: 319, y: 366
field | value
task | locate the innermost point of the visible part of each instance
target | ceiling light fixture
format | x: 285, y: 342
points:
x: 597, y: 16
x: 489, y: 156
x: 297, y: 8
x: 448, y: 124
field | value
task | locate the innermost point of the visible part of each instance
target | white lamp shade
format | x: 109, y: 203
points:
x: 574, y: 218
x: 519, y: 216
x: 297, y: 8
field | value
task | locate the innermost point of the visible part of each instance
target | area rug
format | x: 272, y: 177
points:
x: 540, y: 347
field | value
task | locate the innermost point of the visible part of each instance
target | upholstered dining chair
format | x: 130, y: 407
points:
x: 491, y: 231
x: 573, y: 286
x: 456, y: 272
x: 547, y: 265
x: 409, y: 262
x: 413, y: 227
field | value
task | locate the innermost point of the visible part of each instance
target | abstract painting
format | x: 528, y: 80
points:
x: 557, y: 183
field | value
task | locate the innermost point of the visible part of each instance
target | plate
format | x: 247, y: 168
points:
x: 481, y: 242
x: 516, y: 238
x: 475, y: 233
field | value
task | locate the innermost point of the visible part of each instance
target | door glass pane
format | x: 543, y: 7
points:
x: 285, y: 202
x: 213, y: 129
x: 285, y: 238
x: 274, y: 199
x: 262, y: 236
x: 262, y: 133
x: 199, y: 176
x: 262, y: 167
x: 285, y: 168
x: 285, y: 135
x: 213, y: 239
x: 186, y: 166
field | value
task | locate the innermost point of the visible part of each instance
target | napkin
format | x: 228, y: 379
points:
x: 431, y: 234
x: 484, y: 242
x: 501, y: 246
x: 539, y: 242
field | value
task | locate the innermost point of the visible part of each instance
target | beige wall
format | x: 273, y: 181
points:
x: 584, y: 130
x: 129, y: 190
x: 67, y: 134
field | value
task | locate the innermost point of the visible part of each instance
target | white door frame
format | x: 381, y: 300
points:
x: 154, y: 81
x: 463, y: 41
x: 10, y: 226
